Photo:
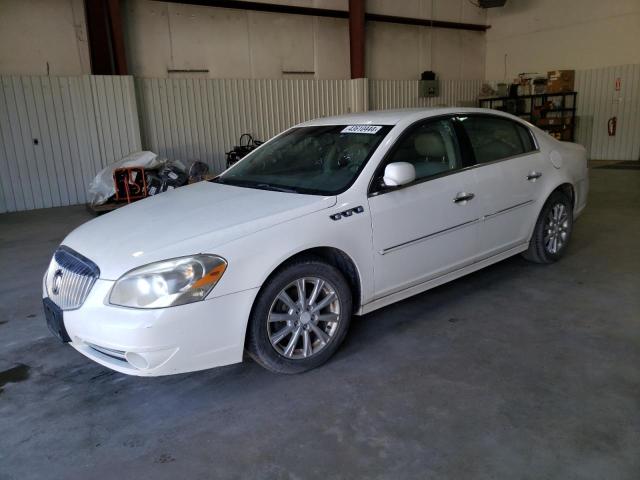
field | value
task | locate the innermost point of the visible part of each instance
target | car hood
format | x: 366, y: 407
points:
x: 192, y: 219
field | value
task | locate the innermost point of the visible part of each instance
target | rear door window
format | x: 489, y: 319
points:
x: 494, y: 138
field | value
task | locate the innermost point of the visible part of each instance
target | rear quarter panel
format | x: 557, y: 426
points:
x: 569, y: 162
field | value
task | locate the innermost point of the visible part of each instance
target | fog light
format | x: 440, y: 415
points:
x: 137, y: 360
x: 149, y: 360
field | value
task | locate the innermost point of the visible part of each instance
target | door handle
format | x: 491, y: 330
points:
x: 463, y: 197
x: 533, y: 176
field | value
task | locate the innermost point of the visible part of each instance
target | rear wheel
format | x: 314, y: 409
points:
x: 552, y: 231
x: 300, y: 317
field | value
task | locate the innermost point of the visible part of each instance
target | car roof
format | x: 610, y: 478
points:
x: 394, y: 117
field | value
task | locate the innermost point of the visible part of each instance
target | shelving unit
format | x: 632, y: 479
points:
x: 552, y: 112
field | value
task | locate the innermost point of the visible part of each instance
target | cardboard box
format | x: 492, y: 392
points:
x: 560, y: 81
x: 555, y: 121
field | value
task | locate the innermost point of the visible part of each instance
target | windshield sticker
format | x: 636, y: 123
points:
x: 370, y: 129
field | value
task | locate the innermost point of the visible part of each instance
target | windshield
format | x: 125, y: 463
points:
x: 317, y: 160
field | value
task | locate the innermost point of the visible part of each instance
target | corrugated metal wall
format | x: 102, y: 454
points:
x: 200, y: 119
x: 384, y: 94
x: 598, y: 100
x: 56, y: 133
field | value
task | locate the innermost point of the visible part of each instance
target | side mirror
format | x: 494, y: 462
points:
x: 398, y: 173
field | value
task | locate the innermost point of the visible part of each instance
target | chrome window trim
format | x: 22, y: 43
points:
x: 450, y: 172
x: 446, y: 174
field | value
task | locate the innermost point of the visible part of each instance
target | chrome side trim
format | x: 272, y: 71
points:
x: 109, y: 352
x: 408, y: 243
x: 421, y: 286
x: 508, y: 209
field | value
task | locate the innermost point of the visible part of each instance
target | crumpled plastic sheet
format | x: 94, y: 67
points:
x: 102, y: 187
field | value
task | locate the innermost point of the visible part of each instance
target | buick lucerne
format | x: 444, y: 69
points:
x: 332, y: 218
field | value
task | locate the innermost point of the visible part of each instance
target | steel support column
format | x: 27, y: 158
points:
x: 356, y: 37
x: 106, y: 39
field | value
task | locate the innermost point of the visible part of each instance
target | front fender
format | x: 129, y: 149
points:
x: 253, y: 258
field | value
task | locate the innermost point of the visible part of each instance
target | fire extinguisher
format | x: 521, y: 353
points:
x: 611, y: 126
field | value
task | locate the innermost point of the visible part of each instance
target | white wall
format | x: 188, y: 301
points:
x: 543, y: 35
x: 402, y: 52
x: 40, y: 37
x: 244, y: 44
x: 232, y: 43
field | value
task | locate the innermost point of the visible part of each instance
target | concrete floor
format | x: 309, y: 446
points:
x: 517, y: 371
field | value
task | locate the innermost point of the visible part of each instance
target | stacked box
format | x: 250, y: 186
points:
x: 559, y: 81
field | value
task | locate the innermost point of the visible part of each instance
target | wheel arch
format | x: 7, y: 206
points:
x: 332, y: 256
x: 568, y: 189
x: 565, y: 187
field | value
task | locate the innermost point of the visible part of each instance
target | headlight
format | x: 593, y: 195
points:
x: 168, y: 283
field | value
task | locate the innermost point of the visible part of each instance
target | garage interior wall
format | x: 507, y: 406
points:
x: 51, y: 42
x: 598, y: 100
x: 199, y: 119
x: 56, y: 133
x: 288, y: 68
x: 598, y: 39
x: 228, y: 43
x: 58, y: 129
x: 543, y: 35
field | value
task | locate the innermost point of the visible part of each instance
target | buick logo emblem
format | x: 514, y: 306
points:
x: 57, y: 278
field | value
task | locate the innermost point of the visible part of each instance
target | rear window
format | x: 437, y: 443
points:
x: 495, y: 138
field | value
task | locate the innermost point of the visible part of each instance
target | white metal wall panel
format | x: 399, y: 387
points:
x: 57, y: 132
x: 385, y: 94
x: 200, y: 119
x: 116, y: 116
x: 598, y: 101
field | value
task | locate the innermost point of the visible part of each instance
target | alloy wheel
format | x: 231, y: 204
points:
x: 556, y: 228
x: 303, y: 318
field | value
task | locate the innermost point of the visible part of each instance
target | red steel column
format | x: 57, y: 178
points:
x: 117, y: 37
x: 106, y: 38
x: 356, y: 37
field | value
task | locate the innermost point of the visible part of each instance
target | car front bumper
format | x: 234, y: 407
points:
x: 164, y: 341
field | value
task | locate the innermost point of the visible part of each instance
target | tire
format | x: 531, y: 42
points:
x: 285, y: 336
x: 553, y: 229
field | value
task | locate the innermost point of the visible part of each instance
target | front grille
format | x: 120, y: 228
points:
x: 70, y: 278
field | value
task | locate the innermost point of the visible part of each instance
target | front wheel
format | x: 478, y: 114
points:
x: 300, y: 317
x: 552, y: 231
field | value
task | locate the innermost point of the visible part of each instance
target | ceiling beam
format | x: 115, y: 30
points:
x: 329, y: 13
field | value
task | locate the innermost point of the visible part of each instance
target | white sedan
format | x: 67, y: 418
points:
x: 332, y: 218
